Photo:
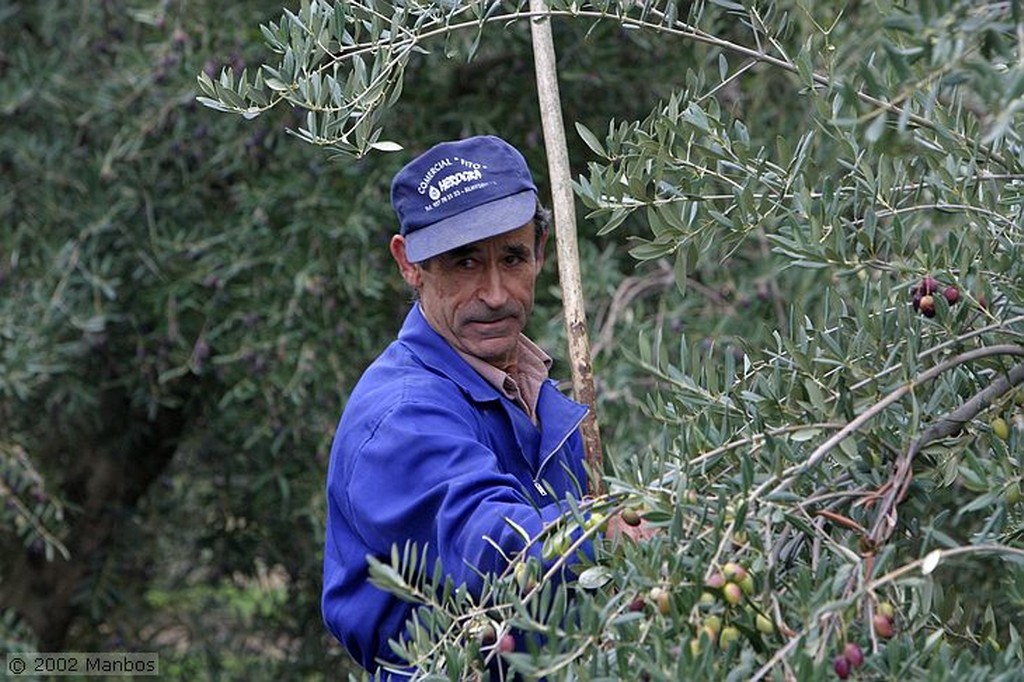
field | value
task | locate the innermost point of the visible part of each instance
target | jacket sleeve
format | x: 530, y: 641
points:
x: 424, y: 474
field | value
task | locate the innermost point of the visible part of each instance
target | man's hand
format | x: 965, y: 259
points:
x: 635, y: 529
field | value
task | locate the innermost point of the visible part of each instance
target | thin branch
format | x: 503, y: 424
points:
x: 788, y: 476
x: 949, y: 425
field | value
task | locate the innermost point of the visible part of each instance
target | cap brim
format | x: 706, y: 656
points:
x: 480, y: 222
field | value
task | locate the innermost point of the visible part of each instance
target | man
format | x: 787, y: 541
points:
x: 455, y: 429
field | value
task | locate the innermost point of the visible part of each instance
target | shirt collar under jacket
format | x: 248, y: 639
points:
x: 524, y: 389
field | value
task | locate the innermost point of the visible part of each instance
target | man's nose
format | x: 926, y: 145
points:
x: 492, y: 288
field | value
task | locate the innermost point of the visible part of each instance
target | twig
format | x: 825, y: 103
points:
x: 628, y: 291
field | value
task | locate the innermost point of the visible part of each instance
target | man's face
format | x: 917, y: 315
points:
x: 480, y: 296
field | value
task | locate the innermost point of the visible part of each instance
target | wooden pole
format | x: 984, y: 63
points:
x: 563, y: 206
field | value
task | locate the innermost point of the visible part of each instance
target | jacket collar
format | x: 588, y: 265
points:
x: 436, y: 353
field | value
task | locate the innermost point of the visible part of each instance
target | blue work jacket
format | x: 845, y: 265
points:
x: 428, y: 451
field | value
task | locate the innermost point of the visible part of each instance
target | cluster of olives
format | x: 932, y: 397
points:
x: 849, y: 660
x: 720, y: 607
x: 729, y: 586
x: 852, y: 656
x: 922, y: 297
x: 733, y: 580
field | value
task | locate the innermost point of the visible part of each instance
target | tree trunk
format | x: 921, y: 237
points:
x: 105, y: 477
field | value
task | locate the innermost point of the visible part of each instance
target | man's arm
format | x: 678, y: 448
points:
x: 425, y: 475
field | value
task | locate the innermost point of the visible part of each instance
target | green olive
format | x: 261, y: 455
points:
x: 1013, y: 494
x: 728, y: 635
x: 1000, y: 428
x: 631, y: 517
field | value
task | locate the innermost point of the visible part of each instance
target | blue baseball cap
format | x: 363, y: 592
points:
x: 459, y: 192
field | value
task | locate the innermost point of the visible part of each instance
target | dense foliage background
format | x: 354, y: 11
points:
x: 768, y: 190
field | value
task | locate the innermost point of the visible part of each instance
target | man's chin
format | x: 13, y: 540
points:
x: 499, y: 331
x: 493, y: 350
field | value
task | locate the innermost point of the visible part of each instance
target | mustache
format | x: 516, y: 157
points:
x: 490, y: 314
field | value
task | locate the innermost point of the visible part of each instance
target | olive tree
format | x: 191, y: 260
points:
x: 832, y: 432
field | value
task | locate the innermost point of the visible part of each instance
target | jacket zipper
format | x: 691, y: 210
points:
x: 544, y: 463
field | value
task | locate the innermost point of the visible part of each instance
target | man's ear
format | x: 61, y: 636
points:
x: 410, y: 271
x: 541, y: 241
